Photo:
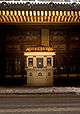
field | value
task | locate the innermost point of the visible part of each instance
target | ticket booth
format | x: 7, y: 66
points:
x: 39, y: 66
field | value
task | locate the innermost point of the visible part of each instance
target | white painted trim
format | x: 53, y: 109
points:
x: 39, y: 53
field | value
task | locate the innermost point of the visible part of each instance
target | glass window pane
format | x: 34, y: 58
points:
x: 30, y: 62
x: 39, y: 62
x: 48, y: 61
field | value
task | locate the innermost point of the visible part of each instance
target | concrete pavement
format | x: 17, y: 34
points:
x: 56, y: 104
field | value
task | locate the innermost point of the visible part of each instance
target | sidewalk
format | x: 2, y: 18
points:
x: 40, y: 90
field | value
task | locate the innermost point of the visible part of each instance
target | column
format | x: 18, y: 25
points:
x: 45, y: 61
x: 45, y: 37
x: 34, y: 61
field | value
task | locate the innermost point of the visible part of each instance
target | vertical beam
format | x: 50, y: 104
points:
x: 38, y: 16
x: 45, y: 61
x: 34, y: 61
x: 42, y: 14
x: 34, y: 16
x: 45, y: 37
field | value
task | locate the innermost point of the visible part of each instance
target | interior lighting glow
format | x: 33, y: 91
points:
x: 7, y: 13
x: 38, y: 13
x: 11, y: 13
x: 38, y: 19
x: 28, y: 18
x: 57, y: 13
x: 19, y: 13
x: 72, y: 13
x: 64, y: 13
x: 30, y: 13
x: 31, y: 19
x: 23, y: 13
x: 42, y: 19
x: 49, y: 13
x: 59, y: 18
x: 15, y: 13
x: 55, y: 18
x: 48, y: 18
x: 3, y: 12
x: 61, y: 13
x: 34, y: 13
x: 51, y: 18
x: 45, y: 13
x: 79, y: 13
x: 53, y: 13
x: 0, y: 12
x: 35, y: 19
x: 76, y: 14
x: 42, y: 13
x: 26, y: 13
x: 68, y: 13
x: 45, y: 18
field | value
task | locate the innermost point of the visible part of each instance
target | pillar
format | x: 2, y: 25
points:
x: 45, y: 37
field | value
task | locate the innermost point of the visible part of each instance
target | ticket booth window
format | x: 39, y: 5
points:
x: 30, y: 62
x: 48, y: 61
x: 39, y: 62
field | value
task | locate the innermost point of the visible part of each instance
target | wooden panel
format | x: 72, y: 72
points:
x: 28, y: 37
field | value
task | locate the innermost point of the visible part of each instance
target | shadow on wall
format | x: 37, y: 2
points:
x: 58, y: 81
x: 18, y: 81
x: 67, y: 81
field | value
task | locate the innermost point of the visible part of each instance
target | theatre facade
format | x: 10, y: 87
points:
x: 39, y: 43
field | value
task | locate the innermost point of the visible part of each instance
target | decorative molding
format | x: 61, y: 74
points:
x: 34, y: 16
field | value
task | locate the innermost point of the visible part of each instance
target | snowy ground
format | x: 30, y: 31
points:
x: 26, y: 90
